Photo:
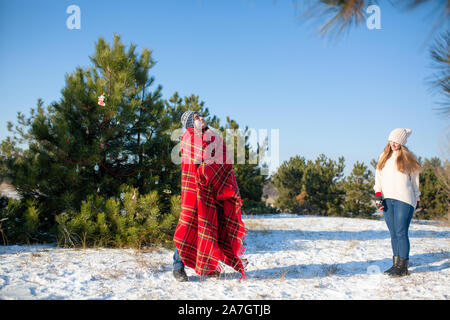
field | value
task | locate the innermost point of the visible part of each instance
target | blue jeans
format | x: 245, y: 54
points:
x: 177, y: 263
x: 398, y: 215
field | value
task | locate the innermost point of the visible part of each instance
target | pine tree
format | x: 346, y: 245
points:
x: 248, y: 169
x: 108, y: 129
x: 321, y: 184
x: 358, y: 187
x: 310, y: 186
x: 433, y: 199
x: 288, y: 181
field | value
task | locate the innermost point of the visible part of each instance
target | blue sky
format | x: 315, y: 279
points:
x: 250, y: 60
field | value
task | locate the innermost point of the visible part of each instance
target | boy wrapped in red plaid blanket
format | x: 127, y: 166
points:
x: 208, y: 186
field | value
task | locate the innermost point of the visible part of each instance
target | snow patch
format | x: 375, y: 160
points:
x: 290, y: 257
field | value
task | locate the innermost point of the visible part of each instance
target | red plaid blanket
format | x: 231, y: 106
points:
x: 203, y: 237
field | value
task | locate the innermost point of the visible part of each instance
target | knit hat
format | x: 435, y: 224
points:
x: 187, y: 119
x: 399, y: 135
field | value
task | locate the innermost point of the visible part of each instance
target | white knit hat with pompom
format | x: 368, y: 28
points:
x: 399, y: 135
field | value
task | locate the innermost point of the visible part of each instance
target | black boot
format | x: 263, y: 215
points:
x: 180, y: 275
x: 401, y: 269
x: 394, y: 264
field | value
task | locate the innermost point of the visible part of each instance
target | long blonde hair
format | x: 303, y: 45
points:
x: 406, y: 160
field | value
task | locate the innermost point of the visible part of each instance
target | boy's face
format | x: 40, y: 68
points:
x: 199, y: 122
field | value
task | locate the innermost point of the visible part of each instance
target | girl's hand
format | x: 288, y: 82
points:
x: 379, y: 205
x: 379, y: 201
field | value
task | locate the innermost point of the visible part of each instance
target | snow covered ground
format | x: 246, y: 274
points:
x: 290, y: 257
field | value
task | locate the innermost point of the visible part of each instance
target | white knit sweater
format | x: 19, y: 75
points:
x: 396, y: 185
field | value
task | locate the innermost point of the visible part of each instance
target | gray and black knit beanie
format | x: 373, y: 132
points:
x: 187, y: 119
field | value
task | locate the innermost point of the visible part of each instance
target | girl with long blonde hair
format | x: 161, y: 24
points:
x: 397, y: 194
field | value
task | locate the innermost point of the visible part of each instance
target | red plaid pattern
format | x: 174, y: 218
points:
x: 201, y: 237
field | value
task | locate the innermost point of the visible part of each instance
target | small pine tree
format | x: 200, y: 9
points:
x: 133, y: 221
x: 310, y: 187
x: 433, y: 199
x: 108, y: 129
x: 358, y: 187
x: 288, y: 181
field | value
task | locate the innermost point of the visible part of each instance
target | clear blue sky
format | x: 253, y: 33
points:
x: 250, y: 60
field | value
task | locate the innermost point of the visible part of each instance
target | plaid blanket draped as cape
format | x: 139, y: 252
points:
x: 202, y: 237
